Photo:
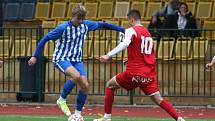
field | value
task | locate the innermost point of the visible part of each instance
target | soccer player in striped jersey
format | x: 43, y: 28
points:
x: 69, y: 37
x: 209, y: 65
x: 140, y: 69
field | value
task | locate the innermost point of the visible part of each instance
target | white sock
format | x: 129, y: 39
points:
x: 179, y: 118
x: 78, y: 113
x: 107, y: 116
x: 61, y: 99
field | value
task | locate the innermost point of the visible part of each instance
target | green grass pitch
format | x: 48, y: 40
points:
x: 87, y: 118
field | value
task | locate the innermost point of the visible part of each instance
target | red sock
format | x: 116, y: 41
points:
x: 169, y: 109
x: 109, y: 97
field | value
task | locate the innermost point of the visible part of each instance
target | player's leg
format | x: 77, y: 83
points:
x: 84, y: 87
x: 151, y: 89
x: 67, y: 68
x: 167, y: 106
x: 109, y: 98
x: 120, y: 80
x: 111, y: 86
x: 81, y: 97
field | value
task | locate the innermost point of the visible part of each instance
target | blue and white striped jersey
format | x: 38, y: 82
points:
x: 70, y: 40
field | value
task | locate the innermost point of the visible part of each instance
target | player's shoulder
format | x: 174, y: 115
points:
x: 92, y: 25
x: 130, y: 31
x: 63, y: 25
x: 87, y: 22
x: 142, y: 29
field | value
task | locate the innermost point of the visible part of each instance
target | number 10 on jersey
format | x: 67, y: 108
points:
x: 146, y: 45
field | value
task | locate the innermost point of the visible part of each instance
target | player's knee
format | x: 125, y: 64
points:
x: 84, y: 86
x: 76, y: 77
x: 158, y: 100
x: 112, y: 85
x: 108, y: 84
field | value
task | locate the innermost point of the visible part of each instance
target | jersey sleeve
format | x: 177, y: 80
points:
x: 119, y: 48
x: 129, y: 34
x: 58, y: 31
x: 92, y: 25
x: 40, y: 46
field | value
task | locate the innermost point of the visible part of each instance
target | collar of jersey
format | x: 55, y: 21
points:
x: 70, y: 23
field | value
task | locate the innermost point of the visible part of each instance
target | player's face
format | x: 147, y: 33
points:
x: 77, y: 21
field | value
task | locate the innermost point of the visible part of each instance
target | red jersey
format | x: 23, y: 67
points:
x: 141, y: 55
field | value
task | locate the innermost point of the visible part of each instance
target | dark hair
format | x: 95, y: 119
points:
x: 183, y: 3
x: 134, y: 14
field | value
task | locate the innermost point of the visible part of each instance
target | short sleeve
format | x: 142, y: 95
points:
x: 92, y: 25
x: 58, y: 31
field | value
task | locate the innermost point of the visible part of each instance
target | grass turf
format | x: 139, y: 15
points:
x: 87, y: 118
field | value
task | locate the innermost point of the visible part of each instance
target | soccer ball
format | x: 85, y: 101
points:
x: 75, y: 118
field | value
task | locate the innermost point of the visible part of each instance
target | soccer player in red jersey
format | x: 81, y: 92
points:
x: 140, y: 69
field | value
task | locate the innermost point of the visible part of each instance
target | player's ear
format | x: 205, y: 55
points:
x: 132, y: 20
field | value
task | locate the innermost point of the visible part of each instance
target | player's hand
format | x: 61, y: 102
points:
x: 104, y: 58
x: 32, y: 61
x: 125, y: 60
x: 208, y: 66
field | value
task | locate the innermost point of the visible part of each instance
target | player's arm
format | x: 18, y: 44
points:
x: 52, y: 35
x: 110, y: 26
x: 92, y: 25
x: 209, y: 65
x: 129, y: 33
x: 42, y: 42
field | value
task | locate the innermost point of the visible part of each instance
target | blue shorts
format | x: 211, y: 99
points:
x: 79, y: 66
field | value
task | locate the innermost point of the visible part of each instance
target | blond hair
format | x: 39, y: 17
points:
x: 79, y: 11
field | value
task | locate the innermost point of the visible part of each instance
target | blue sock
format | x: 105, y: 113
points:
x: 81, y: 98
x: 68, y: 86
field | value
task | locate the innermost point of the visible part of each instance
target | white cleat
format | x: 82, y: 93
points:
x: 180, y: 119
